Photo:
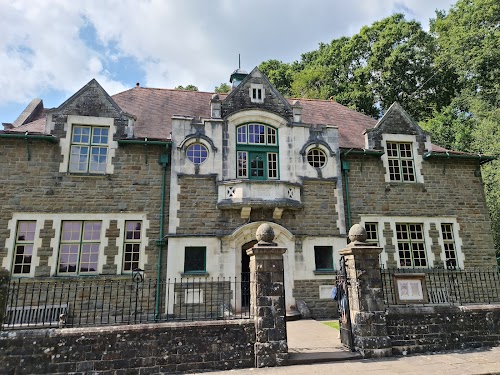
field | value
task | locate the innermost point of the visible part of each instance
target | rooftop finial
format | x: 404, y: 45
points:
x: 239, y: 61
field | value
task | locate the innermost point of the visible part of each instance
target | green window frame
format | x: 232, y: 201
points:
x: 79, y: 248
x: 195, y: 259
x: 400, y: 161
x: 323, y: 258
x: 23, y: 249
x: 89, y: 149
x: 411, y: 245
x: 132, y: 245
x: 257, y: 152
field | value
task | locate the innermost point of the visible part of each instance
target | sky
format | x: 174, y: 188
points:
x: 49, y: 49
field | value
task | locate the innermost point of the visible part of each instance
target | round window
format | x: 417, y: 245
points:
x: 197, y: 153
x: 316, y: 158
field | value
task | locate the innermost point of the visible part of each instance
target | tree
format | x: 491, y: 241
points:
x: 223, y: 88
x: 187, y: 88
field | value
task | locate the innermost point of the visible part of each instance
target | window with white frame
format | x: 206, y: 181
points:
x: 23, y: 249
x: 79, y: 247
x: 400, y: 161
x: 132, y: 245
x: 257, y: 93
x: 450, y: 252
x: 197, y: 153
x: 257, y: 151
x: 316, y: 158
x: 371, y: 233
x: 411, y: 245
x: 89, y: 149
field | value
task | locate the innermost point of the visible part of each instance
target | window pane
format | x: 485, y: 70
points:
x: 81, y: 134
x: 78, y: 158
x: 197, y: 153
x: 257, y: 166
x: 272, y: 165
x: 242, y: 164
x: 323, y: 257
x: 98, y: 158
x: 316, y: 158
x: 242, y: 134
x: 256, y: 133
x: 194, y: 259
x: 100, y: 136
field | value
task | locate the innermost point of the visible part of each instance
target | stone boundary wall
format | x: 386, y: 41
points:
x: 139, y: 349
x: 426, y: 329
x: 308, y: 291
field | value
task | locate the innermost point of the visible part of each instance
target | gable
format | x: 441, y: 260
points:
x: 395, y: 121
x: 267, y: 99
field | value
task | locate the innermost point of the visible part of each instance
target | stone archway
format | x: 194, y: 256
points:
x: 244, y: 235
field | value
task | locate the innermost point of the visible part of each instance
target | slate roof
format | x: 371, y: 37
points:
x: 154, y: 109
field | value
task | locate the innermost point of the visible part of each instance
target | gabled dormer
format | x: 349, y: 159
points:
x: 256, y: 92
x: 404, y: 143
x: 88, y: 124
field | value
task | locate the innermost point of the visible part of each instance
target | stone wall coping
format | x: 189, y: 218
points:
x: 51, y: 332
x: 412, y: 310
x: 359, y: 249
x: 266, y: 250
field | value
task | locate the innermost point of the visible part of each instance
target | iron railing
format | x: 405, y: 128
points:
x: 98, y: 302
x: 447, y: 286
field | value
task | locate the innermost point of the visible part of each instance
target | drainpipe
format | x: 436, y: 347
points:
x: 164, y: 159
x: 345, y: 171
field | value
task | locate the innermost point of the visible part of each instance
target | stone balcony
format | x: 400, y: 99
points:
x: 247, y: 194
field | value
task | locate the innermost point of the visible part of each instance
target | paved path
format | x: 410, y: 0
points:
x: 310, y: 337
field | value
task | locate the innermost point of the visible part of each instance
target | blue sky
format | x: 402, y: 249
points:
x: 51, y: 48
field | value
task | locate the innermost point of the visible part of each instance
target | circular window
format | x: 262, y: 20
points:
x: 316, y: 158
x: 197, y: 153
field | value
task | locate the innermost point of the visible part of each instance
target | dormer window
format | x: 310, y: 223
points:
x: 400, y: 161
x: 257, y: 93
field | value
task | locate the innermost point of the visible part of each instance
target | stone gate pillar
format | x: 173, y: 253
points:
x: 267, y: 300
x: 4, y: 291
x: 366, y: 300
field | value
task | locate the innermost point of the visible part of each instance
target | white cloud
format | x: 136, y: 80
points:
x: 174, y: 42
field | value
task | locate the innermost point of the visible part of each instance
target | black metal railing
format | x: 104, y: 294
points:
x: 97, y: 302
x: 446, y: 286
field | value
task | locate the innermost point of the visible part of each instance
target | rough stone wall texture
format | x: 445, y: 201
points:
x: 198, y: 212
x: 37, y: 186
x: 308, y: 291
x: 144, y: 349
x: 414, y: 330
x: 92, y: 100
x: 451, y: 188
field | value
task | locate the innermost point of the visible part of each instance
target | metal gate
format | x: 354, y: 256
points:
x: 343, y: 282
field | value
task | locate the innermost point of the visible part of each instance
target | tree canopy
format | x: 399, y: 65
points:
x: 447, y: 79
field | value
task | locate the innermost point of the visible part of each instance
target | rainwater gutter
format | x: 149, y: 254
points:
x: 27, y: 137
x: 481, y: 158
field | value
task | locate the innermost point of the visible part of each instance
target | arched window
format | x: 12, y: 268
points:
x: 197, y: 153
x: 257, y: 152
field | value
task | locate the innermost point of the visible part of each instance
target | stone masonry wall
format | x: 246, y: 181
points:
x: 144, y: 349
x: 451, y: 188
x: 308, y: 291
x: 37, y: 186
x: 425, y: 329
x: 198, y: 213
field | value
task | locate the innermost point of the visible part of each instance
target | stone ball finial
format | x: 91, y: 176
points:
x: 265, y: 234
x: 357, y: 233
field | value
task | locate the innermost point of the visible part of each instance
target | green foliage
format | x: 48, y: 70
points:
x: 187, y: 88
x: 333, y: 324
x: 447, y: 79
x: 223, y: 88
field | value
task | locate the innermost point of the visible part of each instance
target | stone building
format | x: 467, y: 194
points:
x: 176, y: 183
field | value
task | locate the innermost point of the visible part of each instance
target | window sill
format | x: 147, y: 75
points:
x: 325, y: 272
x: 87, y: 175
x: 195, y: 274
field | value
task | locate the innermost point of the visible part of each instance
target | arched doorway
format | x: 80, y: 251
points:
x: 245, y: 274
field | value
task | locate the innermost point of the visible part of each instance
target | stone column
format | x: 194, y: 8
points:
x: 267, y: 301
x: 366, y: 300
x: 4, y: 290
